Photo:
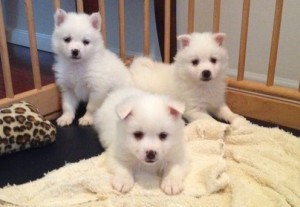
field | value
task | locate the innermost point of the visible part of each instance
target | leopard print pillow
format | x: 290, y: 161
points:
x: 23, y: 127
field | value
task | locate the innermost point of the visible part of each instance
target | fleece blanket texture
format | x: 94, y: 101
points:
x: 238, y: 165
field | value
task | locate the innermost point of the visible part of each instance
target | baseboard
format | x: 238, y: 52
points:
x: 21, y: 37
x: 261, y: 78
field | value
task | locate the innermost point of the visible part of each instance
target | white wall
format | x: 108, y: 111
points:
x: 16, y: 24
x: 259, y: 37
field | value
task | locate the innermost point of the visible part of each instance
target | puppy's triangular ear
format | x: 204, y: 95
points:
x: 124, y: 109
x: 184, y: 40
x: 219, y: 38
x: 176, y: 108
x: 95, y: 19
x: 59, y: 17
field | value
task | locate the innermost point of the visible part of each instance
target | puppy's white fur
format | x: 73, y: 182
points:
x: 131, y: 123
x: 84, y: 70
x: 196, y: 77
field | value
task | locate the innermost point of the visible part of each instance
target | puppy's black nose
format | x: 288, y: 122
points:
x: 150, y: 155
x: 75, y: 52
x: 206, y: 75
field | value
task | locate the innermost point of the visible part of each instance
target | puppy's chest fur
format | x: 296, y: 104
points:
x: 74, y: 77
x: 204, y: 96
x: 155, y: 169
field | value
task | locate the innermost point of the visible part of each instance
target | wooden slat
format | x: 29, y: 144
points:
x: 57, y: 4
x: 33, y: 45
x: 122, y: 30
x: 101, y: 4
x: 79, y: 5
x: 5, y: 58
x: 53, y: 115
x: 47, y: 99
x: 264, y: 108
x: 243, y: 40
x: 275, y: 42
x: 146, y: 27
x: 216, y: 15
x: 191, y: 16
x: 167, y: 37
x: 277, y: 91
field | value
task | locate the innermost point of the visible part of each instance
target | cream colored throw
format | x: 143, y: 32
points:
x: 239, y: 165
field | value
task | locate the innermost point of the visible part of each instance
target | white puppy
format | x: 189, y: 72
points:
x: 84, y: 70
x: 196, y: 77
x: 142, y: 132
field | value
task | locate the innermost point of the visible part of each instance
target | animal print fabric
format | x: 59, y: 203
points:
x: 23, y: 127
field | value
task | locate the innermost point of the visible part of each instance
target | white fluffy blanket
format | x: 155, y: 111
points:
x: 240, y: 165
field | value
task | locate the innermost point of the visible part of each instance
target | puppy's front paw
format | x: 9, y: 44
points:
x: 86, y: 120
x: 172, y: 186
x: 238, y: 121
x: 122, y: 184
x: 65, y: 120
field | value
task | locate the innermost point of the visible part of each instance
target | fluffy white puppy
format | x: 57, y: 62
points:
x: 84, y: 69
x: 196, y: 77
x: 142, y: 132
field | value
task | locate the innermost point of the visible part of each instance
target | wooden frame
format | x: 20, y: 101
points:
x: 266, y: 108
x: 47, y: 98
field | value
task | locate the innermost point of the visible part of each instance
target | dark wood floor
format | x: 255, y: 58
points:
x: 20, y: 62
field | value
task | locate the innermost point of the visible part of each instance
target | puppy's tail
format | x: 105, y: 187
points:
x: 142, y: 62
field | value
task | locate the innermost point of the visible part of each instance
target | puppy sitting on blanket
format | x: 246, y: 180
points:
x: 197, y: 77
x: 142, y: 132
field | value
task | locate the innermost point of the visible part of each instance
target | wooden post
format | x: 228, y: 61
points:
x: 122, y: 30
x: 216, y: 15
x: 243, y: 40
x: 101, y: 4
x: 33, y: 45
x: 79, y: 4
x: 191, y: 16
x: 5, y: 58
x: 167, y: 31
x: 275, y: 42
x: 57, y: 4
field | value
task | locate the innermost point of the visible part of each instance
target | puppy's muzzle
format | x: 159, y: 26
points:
x: 206, y: 75
x: 75, y: 54
x: 150, y: 156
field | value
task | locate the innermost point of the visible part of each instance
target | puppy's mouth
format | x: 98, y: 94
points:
x: 75, y: 58
x: 205, y: 79
x: 150, y: 161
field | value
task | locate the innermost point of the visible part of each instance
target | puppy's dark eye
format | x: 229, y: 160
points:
x: 86, y: 42
x: 213, y: 60
x: 163, y: 135
x: 67, y: 39
x: 138, y: 135
x: 195, y: 62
